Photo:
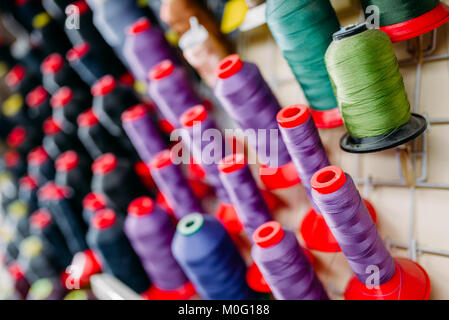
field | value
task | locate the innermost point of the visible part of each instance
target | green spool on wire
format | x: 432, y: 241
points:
x: 370, y: 91
x: 303, y: 31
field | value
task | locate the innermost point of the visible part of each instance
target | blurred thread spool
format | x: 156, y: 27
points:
x: 171, y: 91
x: 25, y: 11
x: 143, y: 37
x: 202, y: 51
x: 40, y: 165
x: 284, y: 264
x: 338, y: 199
x: 92, y: 203
x: 150, y: 232
x: 254, y: 109
x: 21, y: 284
x: 56, y: 200
x: 21, y: 80
x: 14, y: 111
x: 27, y: 192
x: 143, y: 132
x: 86, y: 63
x: 249, y: 203
x: 38, y: 101
x: 173, y: 185
x: 23, y: 139
x: 47, y: 289
x: 48, y: 35
x: 210, y: 259
x: 107, y: 238
x: 17, y: 219
x: 8, y: 189
x: 15, y: 163
x: 56, y: 8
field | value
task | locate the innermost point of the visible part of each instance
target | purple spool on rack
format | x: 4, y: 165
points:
x: 142, y: 38
x: 284, y: 264
x: 173, y: 185
x: 171, y: 90
x: 248, y: 99
x: 144, y: 135
x: 150, y: 232
x: 249, y: 203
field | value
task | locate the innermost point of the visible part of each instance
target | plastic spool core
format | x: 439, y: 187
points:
x: 162, y: 70
x: 190, y: 224
x: 268, y: 234
x: 40, y: 219
x: 193, y: 115
x: 11, y: 158
x: 28, y: 182
x: 36, y: 97
x: 76, y: 53
x: 51, y: 127
x: 161, y: 160
x: 87, y: 118
x: 104, y: 219
x: 293, y: 116
x: 104, y: 164
x: 232, y: 163
x: 104, y: 86
x: 52, y: 64
x: 62, y: 97
x: 37, y: 156
x: 134, y: 113
x: 16, y: 137
x: 328, y: 180
x: 141, y: 206
x: 67, y: 161
x: 94, y: 201
x: 229, y: 66
x: 82, y: 6
x: 139, y: 26
x: 15, y: 76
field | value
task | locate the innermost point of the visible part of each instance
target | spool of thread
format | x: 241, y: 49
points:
x: 20, y: 80
x: 14, y: 111
x: 28, y: 192
x: 284, y: 264
x: 21, y: 284
x: 38, y: 101
x: 56, y: 8
x: 210, y: 259
x: 40, y: 165
x: 107, y: 238
x: 254, y: 109
x: 173, y: 185
x: 17, y: 217
x: 150, y: 232
x: 172, y: 91
x: 370, y: 91
x: 86, y: 63
x: 202, y: 50
x: 303, y: 31
x: 143, y: 132
x: 8, y: 189
x: 406, y: 19
x: 336, y: 195
x: 110, y: 175
x: 55, y: 141
x: 242, y: 189
x: 48, y: 35
x: 56, y: 200
x: 143, y: 37
x: 14, y: 163
x: 23, y: 139
x: 197, y: 122
x: 43, y: 226
x: 47, y: 289
x: 92, y: 203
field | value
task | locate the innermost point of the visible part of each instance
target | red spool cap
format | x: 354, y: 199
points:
x: 51, y: 191
x: 191, y: 116
x: 162, y: 70
x: 51, y: 126
x: 94, y: 202
x: 127, y: 79
x: 78, y: 52
x: 82, y: 6
x: 268, y: 234
x: 40, y: 219
x: 36, y: 97
x: 62, y: 97
x: 279, y: 178
x: 20, y: 3
x: 139, y: 26
x: 37, y: 156
x: 87, y: 118
x: 328, y: 180
x: 327, y: 119
x: 229, y: 66
x: 67, y: 161
x: 104, y: 219
x: 15, y: 271
x: 11, y: 158
x: 166, y: 126
x: 255, y: 280
x: 104, y: 164
x: 104, y: 86
x: 15, y: 76
x: 232, y: 163
x: 16, y: 137
x: 28, y: 182
x: 134, y: 113
x: 161, y: 160
x: 141, y: 206
x: 52, y: 64
x: 293, y: 116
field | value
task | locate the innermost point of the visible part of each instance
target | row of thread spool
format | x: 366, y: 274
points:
x: 75, y: 136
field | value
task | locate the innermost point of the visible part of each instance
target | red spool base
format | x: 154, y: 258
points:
x: 279, y: 178
x: 184, y: 292
x: 227, y: 215
x: 410, y: 282
x: 317, y: 235
x: 327, y: 119
x: 415, y: 27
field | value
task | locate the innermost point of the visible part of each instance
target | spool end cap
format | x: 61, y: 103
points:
x: 269, y: 234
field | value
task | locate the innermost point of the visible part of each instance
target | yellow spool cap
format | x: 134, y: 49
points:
x: 31, y: 246
x: 41, y: 20
x: 233, y: 15
x: 12, y: 105
x: 17, y: 209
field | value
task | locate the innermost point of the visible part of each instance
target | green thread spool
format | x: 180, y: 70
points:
x: 406, y: 19
x: 303, y: 31
x: 370, y: 91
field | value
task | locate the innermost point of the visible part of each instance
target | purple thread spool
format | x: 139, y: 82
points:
x: 144, y: 135
x: 150, y: 232
x: 171, y: 91
x: 145, y: 46
x: 197, y: 123
x: 249, y: 203
x: 284, y: 265
x: 338, y: 199
x: 173, y: 185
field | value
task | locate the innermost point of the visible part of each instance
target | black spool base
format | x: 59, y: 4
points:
x: 409, y: 131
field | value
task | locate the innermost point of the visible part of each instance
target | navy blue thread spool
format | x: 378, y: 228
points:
x: 115, y: 178
x: 38, y: 101
x: 11, y: 251
x: 92, y: 203
x: 95, y: 138
x: 56, y: 200
x: 21, y: 284
x: 210, y: 259
x: 27, y: 192
x: 14, y: 162
x: 106, y: 237
x: 8, y: 189
x: 43, y: 226
x: 40, y: 165
x: 48, y: 35
x: 25, y: 11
